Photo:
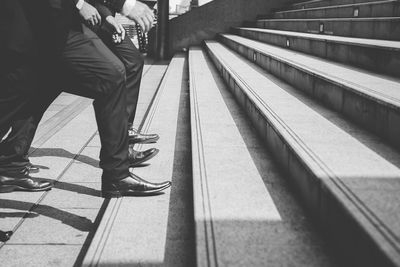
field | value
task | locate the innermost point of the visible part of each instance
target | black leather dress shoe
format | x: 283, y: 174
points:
x: 138, y: 138
x: 132, y: 185
x: 16, y: 172
x: 9, y: 184
x: 19, y: 172
x: 138, y: 157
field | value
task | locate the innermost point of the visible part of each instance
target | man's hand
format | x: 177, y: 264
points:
x: 142, y: 15
x: 118, y: 31
x: 90, y: 14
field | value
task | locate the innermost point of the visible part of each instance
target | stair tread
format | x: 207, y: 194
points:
x: 354, y: 165
x: 340, y: 6
x: 336, y: 19
x: 382, y: 44
x: 136, y: 227
x: 316, y: 1
x: 380, y: 87
x: 229, y: 192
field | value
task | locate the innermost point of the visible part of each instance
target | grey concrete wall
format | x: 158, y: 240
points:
x: 215, y: 17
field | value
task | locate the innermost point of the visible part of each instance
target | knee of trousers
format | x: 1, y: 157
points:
x: 134, y: 63
x: 114, y: 78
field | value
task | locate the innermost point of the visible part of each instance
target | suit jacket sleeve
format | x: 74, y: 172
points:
x: 104, y: 11
x: 115, y: 5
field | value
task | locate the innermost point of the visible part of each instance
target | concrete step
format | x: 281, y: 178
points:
x: 379, y: 56
x: 348, y: 179
x: 369, y: 99
x: 384, y: 28
x: 244, y: 213
x: 152, y: 77
x: 322, y: 3
x: 54, y: 120
x: 51, y: 227
x: 54, y: 228
x: 389, y: 8
x: 154, y: 231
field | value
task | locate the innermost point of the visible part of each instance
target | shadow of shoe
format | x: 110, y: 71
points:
x: 78, y: 222
x: 5, y: 236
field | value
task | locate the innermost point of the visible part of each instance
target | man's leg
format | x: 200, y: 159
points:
x: 133, y: 61
x: 15, y: 146
x: 99, y: 74
x: 17, y: 106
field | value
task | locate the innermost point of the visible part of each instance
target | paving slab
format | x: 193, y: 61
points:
x: 55, y: 226
x: 21, y: 255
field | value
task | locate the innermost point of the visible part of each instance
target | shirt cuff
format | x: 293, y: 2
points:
x: 80, y: 3
x: 127, y: 7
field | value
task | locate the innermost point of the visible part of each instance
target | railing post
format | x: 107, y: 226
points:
x: 162, y: 36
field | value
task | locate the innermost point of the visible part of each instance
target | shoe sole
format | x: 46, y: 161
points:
x: 118, y: 194
x: 148, y: 141
x: 12, y: 188
x: 145, y: 159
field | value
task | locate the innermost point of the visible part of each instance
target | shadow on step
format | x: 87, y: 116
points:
x: 180, y: 244
x: 59, y: 152
x: 80, y: 223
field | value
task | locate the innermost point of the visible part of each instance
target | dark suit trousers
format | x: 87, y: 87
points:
x: 88, y: 68
x: 22, y: 105
x: 97, y: 73
x: 133, y: 62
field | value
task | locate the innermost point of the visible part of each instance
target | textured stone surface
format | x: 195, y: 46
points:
x: 238, y: 191
x: 374, y: 28
x: 45, y: 255
x: 55, y: 226
x: 339, y: 169
x: 367, y: 98
x: 381, y: 56
x: 155, y: 230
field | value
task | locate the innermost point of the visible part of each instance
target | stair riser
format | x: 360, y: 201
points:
x: 329, y: 3
x: 385, y: 30
x: 319, y: 200
x: 390, y: 9
x: 381, y: 118
x: 372, y: 58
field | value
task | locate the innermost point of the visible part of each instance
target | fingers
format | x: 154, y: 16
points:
x: 122, y: 32
x: 97, y: 18
x: 116, y: 27
x: 90, y: 21
x: 150, y: 18
x: 141, y: 24
x: 147, y: 24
